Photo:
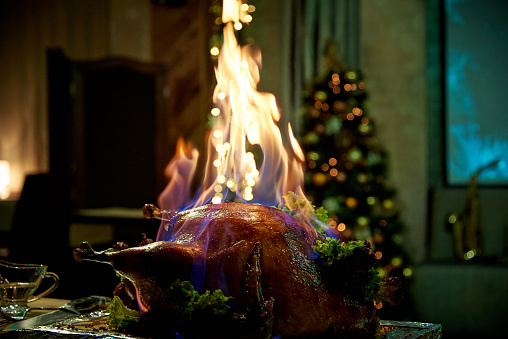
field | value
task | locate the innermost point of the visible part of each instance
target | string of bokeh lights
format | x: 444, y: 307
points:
x: 222, y: 149
x: 330, y: 168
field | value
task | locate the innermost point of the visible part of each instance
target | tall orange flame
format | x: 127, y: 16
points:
x: 247, y: 158
x: 180, y: 171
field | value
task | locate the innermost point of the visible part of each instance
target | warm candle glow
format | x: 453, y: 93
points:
x: 5, y: 179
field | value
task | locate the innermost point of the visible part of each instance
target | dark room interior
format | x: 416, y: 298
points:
x: 389, y: 115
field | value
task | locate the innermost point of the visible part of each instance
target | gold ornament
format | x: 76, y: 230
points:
x: 351, y: 202
x: 319, y: 179
x: 341, y: 177
x: 388, y: 204
x: 320, y: 95
x: 355, y: 155
x: 362, y: 220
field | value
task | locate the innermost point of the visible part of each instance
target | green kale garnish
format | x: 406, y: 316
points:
x: 352, y: 265
x: 321, y: 213
x: 301, y: 208
x: 188, y: 301
x: 331, y: 250
x: 372, y: 288
x: 120, y: 317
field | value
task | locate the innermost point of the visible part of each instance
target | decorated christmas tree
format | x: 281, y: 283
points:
x: 347, y: 167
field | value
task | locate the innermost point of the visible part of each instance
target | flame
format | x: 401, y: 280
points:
x: 246, y: 157
x: 181, y: 171
x: 141, y: 305
x: 231, y: 11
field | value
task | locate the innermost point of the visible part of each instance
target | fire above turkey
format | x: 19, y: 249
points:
x: 246, y: 156
x: 225, y: 263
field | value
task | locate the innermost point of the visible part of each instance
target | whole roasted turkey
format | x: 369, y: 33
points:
x: 260, y: 256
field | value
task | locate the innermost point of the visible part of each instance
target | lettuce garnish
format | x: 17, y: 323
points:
x: 188, y: 301
x: 120, y: 317
x: 302, y: 209
x: 353, y: 265
x: 330, y: 250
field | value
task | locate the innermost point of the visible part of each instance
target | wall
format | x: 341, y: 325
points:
x: 85, y: 30
x: 180, y: 36
x: 394, y: 65
x: 130, y: 28
x: 393, y: 60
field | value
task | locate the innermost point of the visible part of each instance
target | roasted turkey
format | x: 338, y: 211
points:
x: 260, y: 256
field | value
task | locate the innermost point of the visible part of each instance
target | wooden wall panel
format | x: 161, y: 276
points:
x: 180, y: 39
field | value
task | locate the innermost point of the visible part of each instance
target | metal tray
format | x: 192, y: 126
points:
x: 94, y: 325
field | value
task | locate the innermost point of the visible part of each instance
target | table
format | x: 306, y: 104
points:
x: 390, y: 329
x: 43, y: 303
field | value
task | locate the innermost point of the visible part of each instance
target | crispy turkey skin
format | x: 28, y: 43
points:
x: 260, y: 256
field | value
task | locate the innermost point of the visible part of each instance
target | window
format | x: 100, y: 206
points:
x: 476, y: 98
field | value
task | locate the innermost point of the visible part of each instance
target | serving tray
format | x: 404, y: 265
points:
x: 94, y: 325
